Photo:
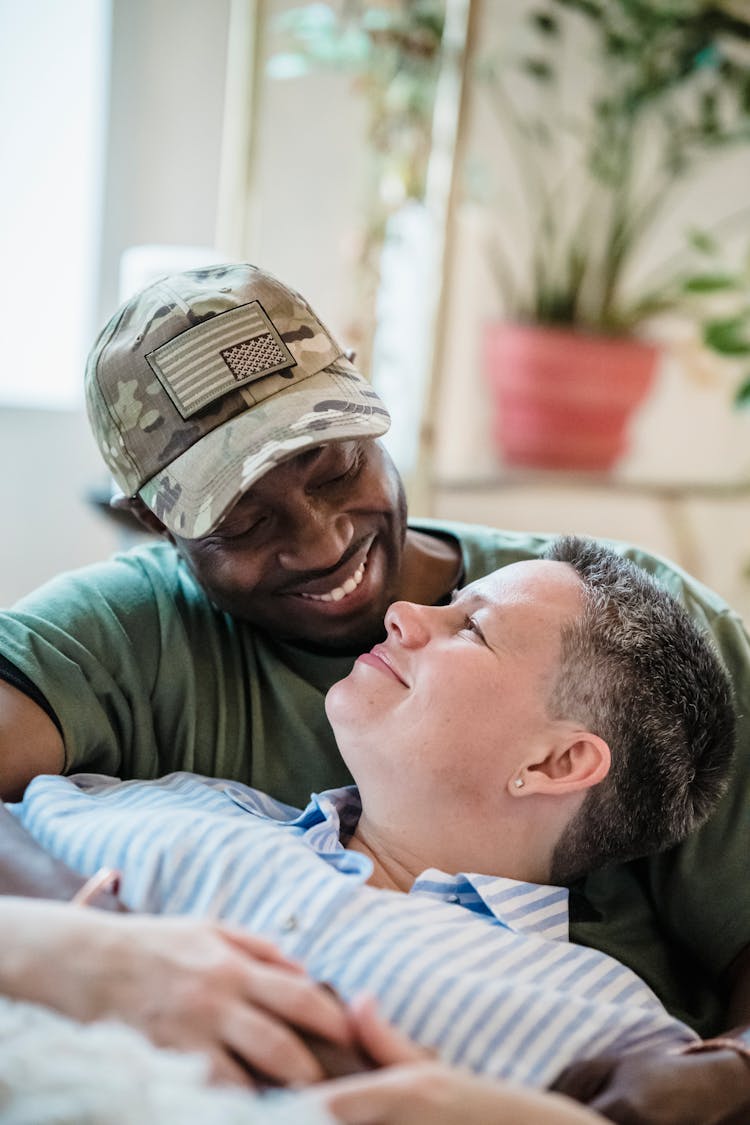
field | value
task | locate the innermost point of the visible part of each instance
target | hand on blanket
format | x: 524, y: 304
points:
x: 192, y: 985
x: 413, y: 1089
x: 663, y: 1088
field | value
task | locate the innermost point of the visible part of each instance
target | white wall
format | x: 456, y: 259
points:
x: 50, y: 465
x: 53, y: 80
x: 161, y: 178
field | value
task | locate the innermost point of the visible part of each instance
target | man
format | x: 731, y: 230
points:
x: 216, y: 656
x: 556, y: 715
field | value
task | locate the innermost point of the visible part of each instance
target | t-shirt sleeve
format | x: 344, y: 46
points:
x: 144, y: 675
x: 90, y: 643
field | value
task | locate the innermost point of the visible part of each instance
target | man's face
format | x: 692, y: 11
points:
x: 312, y: 552
x: 434, y: 722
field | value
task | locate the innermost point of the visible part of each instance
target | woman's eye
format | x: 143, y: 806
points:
x: 471, y: 626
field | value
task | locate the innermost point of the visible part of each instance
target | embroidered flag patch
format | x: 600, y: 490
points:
x: 219, y: 355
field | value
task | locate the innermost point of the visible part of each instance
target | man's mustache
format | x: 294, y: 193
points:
x: 314, y: 575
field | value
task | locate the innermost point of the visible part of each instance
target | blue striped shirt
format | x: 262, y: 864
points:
x: 477, y: 967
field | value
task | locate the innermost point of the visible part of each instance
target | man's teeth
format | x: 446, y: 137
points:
x: 341, y: 591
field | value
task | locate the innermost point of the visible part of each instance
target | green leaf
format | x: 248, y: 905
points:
x: 546, y: 23
x: 742, y: 394
x: 728, y: 337
x: 702, y: 241
x: 309, y: 19
x: 709, y: 283
x: 539, y: 69
x: 288, y: 65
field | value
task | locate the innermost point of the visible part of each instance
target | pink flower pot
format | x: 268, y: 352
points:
x: 563, y: 399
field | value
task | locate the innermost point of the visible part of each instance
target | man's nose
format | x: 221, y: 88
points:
x: 316, y: 540
x: 409, y: 623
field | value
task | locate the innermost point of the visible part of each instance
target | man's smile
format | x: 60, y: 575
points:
x: 340, y: 584
x: 339, y: 592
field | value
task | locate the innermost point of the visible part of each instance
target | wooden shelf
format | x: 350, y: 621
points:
x: 659, y: 490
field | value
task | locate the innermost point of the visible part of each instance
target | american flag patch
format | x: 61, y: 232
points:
x: 219, y: 355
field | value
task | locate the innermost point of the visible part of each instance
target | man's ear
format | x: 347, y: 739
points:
x: 576, y: 761
x: 136, y: 508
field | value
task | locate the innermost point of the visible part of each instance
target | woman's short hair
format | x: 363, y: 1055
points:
x: 638, y: 672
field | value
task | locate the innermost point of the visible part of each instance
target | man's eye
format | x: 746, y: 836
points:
x: 350, y: 472
x: 240, y: 531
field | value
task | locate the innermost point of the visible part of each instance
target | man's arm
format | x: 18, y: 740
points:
x: 663, y: 1088
x: 26, y: 868
x: 666, y: 1088
x: 30, y: 743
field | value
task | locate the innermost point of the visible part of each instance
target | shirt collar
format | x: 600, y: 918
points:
x: 338, y: 808
x: 525, y: 907
x: 518, y: 906
x: 327, y: 817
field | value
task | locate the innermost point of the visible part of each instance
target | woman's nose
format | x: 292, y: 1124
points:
x: 409, y: 623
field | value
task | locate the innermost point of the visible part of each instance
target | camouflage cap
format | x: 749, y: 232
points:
x: 205, y: 380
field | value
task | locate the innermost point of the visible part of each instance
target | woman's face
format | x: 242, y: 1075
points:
x: 434, y: 721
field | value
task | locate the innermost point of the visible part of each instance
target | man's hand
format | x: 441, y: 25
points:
x: 191, y: 985
x: 664, y: 1088
x: 413, y: 1089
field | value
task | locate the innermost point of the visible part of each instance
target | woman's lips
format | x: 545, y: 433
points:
x: 378, y: 658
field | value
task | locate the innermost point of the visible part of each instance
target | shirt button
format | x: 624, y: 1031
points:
x: 290, y: 924
x: 452, y: 898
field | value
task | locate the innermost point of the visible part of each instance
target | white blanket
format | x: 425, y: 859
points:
x: 57, y: 1072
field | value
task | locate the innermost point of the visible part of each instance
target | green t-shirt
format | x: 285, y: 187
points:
x: 146, y: 677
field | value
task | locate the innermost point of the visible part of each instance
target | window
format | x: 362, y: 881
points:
x: 53, y: 100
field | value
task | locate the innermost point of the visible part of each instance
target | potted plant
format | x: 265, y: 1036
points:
x: 660, y: 88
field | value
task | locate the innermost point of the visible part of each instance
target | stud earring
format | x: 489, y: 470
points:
x: 519, y: 783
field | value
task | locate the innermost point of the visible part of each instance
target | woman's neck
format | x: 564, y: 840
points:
x: 514, y: 853
x: 392, y: 870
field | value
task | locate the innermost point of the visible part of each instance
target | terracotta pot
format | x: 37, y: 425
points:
x: 563, y: 399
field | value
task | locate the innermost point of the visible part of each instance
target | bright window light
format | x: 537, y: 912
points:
x: 53, y: 77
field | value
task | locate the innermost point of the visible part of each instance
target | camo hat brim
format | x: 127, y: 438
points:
x: 206, y: 380
x: 203, y: 484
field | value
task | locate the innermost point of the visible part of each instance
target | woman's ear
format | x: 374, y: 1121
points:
x: 135, y: 506
x: 575, y: 762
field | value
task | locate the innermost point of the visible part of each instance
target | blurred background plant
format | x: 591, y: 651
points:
x: 715, y: 298
x: 391, y: 51
x: 608, y: 109
x: 603, y: 145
